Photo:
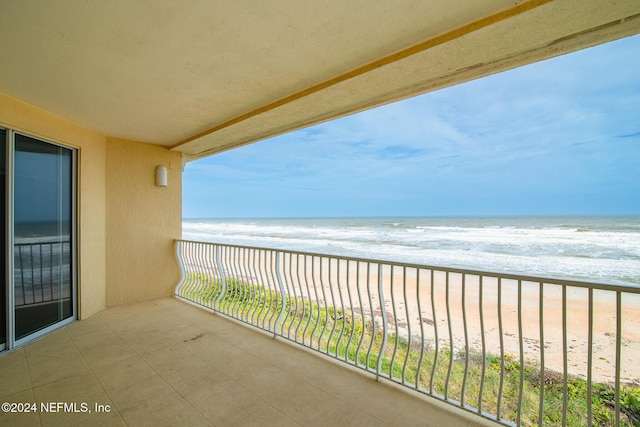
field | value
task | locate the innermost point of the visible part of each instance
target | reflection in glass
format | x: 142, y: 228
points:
x: 42, y: 235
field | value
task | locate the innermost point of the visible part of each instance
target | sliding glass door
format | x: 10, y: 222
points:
x: 3, y: 226
x: 39, y: 238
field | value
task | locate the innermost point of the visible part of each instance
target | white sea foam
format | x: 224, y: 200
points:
x: 604, y: 249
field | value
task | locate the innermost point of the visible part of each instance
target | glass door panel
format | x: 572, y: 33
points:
x: 3, y: 216
x: 42, y: 225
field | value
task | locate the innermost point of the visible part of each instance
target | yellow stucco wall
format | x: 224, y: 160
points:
x: 126, y: 225
x: 142, y: 221
x: 91, y: 192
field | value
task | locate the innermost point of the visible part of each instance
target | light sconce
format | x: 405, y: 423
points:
x: 161, y: 176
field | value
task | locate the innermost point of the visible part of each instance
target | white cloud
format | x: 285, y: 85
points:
x: 541, y: 132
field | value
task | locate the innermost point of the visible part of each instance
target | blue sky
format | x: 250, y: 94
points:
x: 560, y: 137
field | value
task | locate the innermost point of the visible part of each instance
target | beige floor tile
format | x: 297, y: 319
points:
x: 20, y: 416
x: 227, y: 359
x: 154, y: 402
x: 226, y: 403
x: 346, y: 415
x: 81, y: 394
x: 335, y: 378
x: 184, y: 371
x: 47, y: 367
x: 87, y: 341
x: 122, y: 374
x: 110, y: 351
x: 50, y: 344
x: 87, y: 327
x: 120, y: 320
x: 73, y: 389
x: 14, y: 373
x: 175, y: 413
x: 299, y: 400
x: 65, y: 419
x: 269, y: 416
x: 145, y: 340
x: 400, y: 407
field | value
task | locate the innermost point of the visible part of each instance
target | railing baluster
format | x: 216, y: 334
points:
x: 289, y: 280
x: 408, y: 320
x: 422, y: 335
x: 565, y: 379
x: 233, y: 286
x: 466, y: 339
x: 41, y: 276
x: 275, y: 280
x: 590, y: 360
x: 179, y: 246
x: 324, y: 298
x: 283, y: 296
x: 33, y: 281
x: 373, y: 318
x: 435, y: 333
x: 262, y: 299
x: 246, y: 271
x: 302, y: 303
x: 190, y: 276
x: 51, y: 281
x: 521, y: 346
x: 195, y: 282
x: 501, y: 335
x: 223, y: 278
x: 483, y: 342
x: 542, y: 374
x: 362, y: 315
x: 618, y: 353
x: 344, y: 313
x: 395, y: 322
x: 255, y: 272
x: 385, y: 325
x: 352, y: 321
x: 448, y: 304
x: 315, y: 287
x: 306, y: 281
x: 333, y: 304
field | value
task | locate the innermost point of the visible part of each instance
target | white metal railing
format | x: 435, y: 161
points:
x: 42, y: 272
x: 516, y: 349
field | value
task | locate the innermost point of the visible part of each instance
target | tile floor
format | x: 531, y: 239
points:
x: 166, y: 362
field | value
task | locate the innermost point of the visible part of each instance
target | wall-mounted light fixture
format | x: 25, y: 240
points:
x: 161, y: 176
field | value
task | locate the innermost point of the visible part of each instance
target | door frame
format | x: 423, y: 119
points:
x: 11, y: 341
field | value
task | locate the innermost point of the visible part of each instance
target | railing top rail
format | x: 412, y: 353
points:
x: 53, y: 240
x: 500, y: 275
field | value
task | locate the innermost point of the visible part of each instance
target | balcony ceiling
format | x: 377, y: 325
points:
x: 204, y: 76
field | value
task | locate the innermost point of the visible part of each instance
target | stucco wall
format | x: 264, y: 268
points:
x: 142, y: 221
x: 91, y: 192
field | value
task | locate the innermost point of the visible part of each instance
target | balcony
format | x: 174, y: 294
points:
x: 166, y: 362
x: 514, y: 349
x: 449, y: 346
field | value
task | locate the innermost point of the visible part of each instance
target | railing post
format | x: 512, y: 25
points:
x: 283, y: 296
x: 223, y: 278
x: 183, y: 272
x: 385, y: 324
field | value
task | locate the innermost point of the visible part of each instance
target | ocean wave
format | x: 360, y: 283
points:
x: 606, y: 249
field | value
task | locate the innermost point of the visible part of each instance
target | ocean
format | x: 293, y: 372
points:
x: 594, y: 249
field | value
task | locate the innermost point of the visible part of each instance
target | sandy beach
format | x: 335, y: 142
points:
x: 419, y: 303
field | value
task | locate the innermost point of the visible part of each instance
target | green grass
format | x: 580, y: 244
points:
x: 353, y: 338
